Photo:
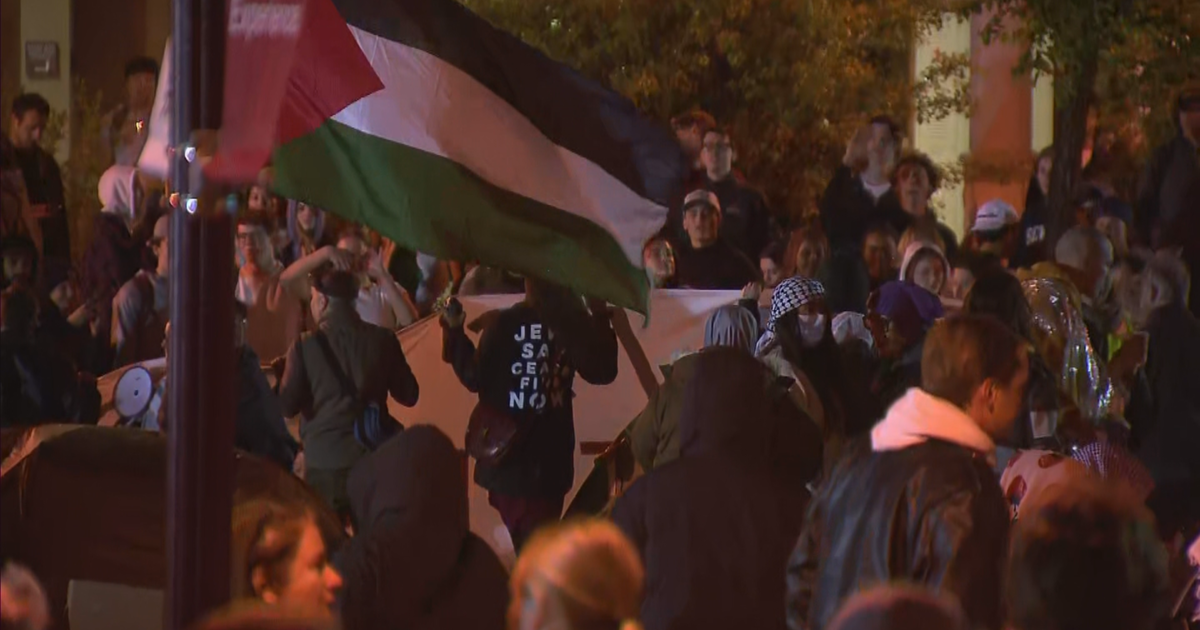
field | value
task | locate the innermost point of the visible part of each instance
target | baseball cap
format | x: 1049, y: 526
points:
x: 994, y: 215
x: 699, y: 198
x: 337, y: 284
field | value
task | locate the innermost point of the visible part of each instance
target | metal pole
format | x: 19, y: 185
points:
x: 201, y: 402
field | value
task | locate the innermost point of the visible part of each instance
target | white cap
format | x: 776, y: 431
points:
x: 994, y: 215
x: 701, y: 196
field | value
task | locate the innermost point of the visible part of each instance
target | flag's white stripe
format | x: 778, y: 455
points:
x: 431, y: 105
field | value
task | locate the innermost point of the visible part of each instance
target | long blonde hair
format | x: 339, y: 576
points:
x: 590, y: 567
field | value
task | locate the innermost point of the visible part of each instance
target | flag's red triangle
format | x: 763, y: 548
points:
x: 329, y: 72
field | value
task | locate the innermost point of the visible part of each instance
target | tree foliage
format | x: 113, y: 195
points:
x: 87, y: 161
x: 791, y: 78
x: 1122, y: 60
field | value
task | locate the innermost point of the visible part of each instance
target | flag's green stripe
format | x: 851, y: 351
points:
x: 427, y: 202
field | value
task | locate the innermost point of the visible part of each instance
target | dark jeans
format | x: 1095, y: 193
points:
x: 523, y: 515
x: 330, y: 484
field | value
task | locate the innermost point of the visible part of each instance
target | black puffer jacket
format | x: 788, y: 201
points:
x: 931, y: 514
x: 413, y: 562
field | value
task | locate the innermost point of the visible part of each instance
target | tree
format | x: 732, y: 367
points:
x: 792, y: 79
x: 1122, y: 58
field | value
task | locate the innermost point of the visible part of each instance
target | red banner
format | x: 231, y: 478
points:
x: 260, y: 45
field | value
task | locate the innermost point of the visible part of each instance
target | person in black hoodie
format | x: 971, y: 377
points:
x: 525, y: 366
x: 1035, y: 220
x: 714, y: 527
x: 413, y: 562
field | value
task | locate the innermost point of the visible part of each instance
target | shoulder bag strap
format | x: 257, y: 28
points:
x: 331, y: 359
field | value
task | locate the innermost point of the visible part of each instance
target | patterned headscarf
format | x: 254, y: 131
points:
x: 790, y: 295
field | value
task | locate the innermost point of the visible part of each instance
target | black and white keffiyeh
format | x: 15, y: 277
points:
x: 790, y: 295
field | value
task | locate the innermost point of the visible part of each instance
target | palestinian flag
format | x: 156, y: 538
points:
x: 422, y: 121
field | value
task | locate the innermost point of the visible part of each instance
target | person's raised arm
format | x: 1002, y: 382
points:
x: 457, y: 349
x: 295, y: 280
x: 402, y: 383
x: 590, y: 339
x: 397, y: 298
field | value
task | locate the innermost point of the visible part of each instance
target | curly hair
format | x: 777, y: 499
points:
x: 916, y: 158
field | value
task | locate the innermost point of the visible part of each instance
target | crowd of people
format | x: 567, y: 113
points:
x: 892, y: 428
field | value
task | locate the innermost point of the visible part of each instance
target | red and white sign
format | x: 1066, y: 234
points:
x: 260, y: 46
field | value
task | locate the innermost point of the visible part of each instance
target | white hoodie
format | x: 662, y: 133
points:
x: 117, y: 186
x: 917, y: 417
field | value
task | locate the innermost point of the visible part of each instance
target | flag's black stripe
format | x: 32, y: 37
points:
x: 572, y: 111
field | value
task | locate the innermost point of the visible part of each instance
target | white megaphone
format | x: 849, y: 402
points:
x: 133, y: 392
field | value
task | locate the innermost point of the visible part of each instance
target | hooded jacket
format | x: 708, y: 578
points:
x: 910, y: 255
x: 654, y: 433
x: 113, y: 256
x: 413, y: 563
x: 1035, y: 221
x: 917, y: 502
x: 715, y: 526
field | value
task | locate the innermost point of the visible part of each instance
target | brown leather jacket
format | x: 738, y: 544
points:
x: 931, y: 514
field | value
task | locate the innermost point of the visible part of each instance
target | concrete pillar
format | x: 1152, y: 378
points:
x: 945, y: 140
x: 1043, y: 112
x: 1001, y: 124
x: 50, y: 21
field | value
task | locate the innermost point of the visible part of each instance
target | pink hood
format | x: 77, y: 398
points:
x: 917, y: 417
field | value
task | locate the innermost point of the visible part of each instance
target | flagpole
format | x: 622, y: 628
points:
x: 201, y: 356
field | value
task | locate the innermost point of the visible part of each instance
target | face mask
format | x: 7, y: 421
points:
x: 812, y: 329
